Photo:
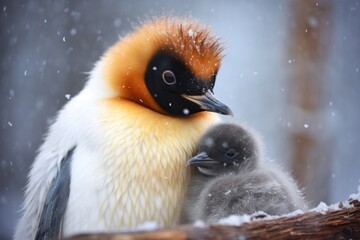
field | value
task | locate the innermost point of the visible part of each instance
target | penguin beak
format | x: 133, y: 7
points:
x: 208, y: 102
x: 201, y: 159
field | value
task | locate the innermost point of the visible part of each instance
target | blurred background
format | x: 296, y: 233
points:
x: 291, y: 72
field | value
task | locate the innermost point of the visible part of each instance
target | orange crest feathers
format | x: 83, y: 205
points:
x: 190, y: 41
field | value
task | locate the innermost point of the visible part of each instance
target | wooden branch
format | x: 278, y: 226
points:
x: 332, y: 224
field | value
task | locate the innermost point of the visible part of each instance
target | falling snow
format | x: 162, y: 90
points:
x: 186, y: 111
x: 228, y: 192
x: 117, y: 22
x: 209, y: 141
x: 190, y: 33
x: 72, y: 32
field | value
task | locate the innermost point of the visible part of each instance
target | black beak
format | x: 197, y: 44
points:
x: 208, y: 102
x: 201, y: 159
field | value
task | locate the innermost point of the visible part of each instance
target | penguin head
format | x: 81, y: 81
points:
x: 225, y: 148
x: 168, y: 65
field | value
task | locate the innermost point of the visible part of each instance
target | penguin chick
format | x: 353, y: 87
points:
x: 230, y: 178
x: 114, y: 157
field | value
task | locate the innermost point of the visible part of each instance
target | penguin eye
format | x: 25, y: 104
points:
x: 169, y: 77
x: 231, y: 153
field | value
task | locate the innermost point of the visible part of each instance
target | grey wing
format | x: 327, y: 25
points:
x: 56, y: 202
x: 258, y: 190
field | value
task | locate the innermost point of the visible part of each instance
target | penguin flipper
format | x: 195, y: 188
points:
x: 56, y: 201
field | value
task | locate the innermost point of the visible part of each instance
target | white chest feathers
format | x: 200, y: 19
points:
x: 132, y: 170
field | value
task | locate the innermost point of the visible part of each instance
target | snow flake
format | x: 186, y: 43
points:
x: 209, y: 142
x: 63, y: 39
x: 73, y: 32
x: 199, y: 223
x: 11, y: 92
x: 190, y: 33
x: 186, y: 111
x: 117, y: 22
x: 68, y: 96
x: 3, y: 200
x: 25, y: 73
x: 154, y: 68
x: 306, y: 125
x: 3, y: 164
x: 9, y: 123
x: 313, y: 22
x: 226, y: 193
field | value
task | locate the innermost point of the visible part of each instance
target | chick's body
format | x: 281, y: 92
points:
x: 125, y: 138
x: 267, y: 190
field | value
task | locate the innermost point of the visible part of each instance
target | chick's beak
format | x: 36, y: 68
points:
x: 201, y: 159
x: 208, y: 102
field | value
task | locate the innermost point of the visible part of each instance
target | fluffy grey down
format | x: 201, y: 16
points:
x: 244, y: 186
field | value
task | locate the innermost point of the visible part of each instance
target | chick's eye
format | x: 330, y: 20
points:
x: 231, y: 153
x: 169, y: 77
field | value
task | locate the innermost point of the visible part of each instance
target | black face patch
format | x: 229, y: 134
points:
x: 167, y: 78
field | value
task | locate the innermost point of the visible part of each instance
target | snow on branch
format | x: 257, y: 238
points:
x: 337, y: 221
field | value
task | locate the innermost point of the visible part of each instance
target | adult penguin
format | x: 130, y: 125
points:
x: 115, y: 156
